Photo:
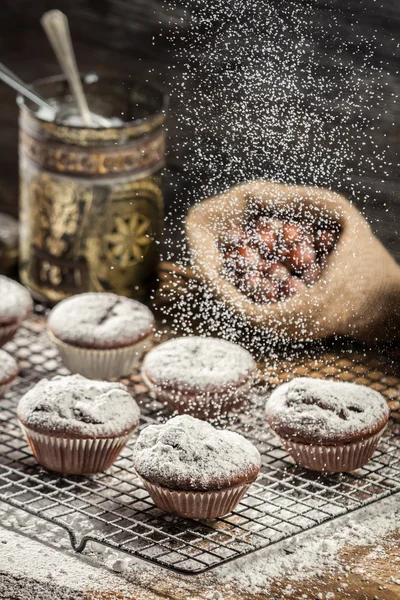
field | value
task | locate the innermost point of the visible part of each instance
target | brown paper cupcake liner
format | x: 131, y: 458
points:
x: 196, y: 505
x: 7, y: 333
x: 74, y: 456
x: 202, y: 406
x: 333, y: 459
x: 100, y: 364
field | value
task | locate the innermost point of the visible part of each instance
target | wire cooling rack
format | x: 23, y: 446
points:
x: 113, y: 509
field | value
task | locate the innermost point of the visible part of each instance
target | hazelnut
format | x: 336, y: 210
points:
x: 268, y: 235
x: 311, y: 273
x: 265, y: 266
x: 242, y: 259
x: 234, y: 263
x: 250, y: 283
x: 301, y: 256
x: 325, y: 240
x: 251, y: 256
x: 292, y: 286
x: 268, y: 291
x: 292, y: 234
x: 232, y: 238
x: 267, y: 241
x: 278, y: 271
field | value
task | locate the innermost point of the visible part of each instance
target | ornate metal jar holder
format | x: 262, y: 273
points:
x: 91, y: 200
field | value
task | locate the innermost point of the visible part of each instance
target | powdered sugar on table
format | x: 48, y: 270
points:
x: 326, y: 409
x: 74, y: 404
x: 100, y: 320
x: 189, y: 453
x: 196, y: 362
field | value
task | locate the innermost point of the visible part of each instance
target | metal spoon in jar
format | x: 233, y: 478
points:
x: 11, y: 79
x: 55, y: 24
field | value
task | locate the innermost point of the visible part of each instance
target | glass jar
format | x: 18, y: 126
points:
x: 91, y: 199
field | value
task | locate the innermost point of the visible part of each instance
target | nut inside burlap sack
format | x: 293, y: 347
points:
x: 358, y: 294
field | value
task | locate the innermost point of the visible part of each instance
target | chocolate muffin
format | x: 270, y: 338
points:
x: 327, y: 426
x: 15, y: 306
x: 193, y: 469
x: 74, y: 425
x: 100, y: 335
x: 8, y: 371
x: 204, y: 377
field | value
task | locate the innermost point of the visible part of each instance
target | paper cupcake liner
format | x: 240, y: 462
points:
x: 74, y: 456
x: 100, y: 364
x: 7, y: 333
x: 195, y: 505
x: 5, y: 387
x: 333, y: 459
x: 202, y: 406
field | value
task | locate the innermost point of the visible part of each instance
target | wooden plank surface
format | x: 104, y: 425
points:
x: 357, y: 576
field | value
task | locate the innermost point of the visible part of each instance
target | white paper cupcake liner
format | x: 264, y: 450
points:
x: 202, y: 405
x: 74, y: 456
x: 7, y: 333
x: 333, y: 459
x: 196, y: 505
x: 100, y: 364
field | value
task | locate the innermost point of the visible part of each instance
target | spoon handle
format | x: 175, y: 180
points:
x: 11, y: 79
x: 55, y: 24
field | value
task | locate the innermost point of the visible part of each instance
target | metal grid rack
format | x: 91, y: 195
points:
x: 113, y: 508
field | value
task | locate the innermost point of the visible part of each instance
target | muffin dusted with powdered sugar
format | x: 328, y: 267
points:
x: 327, y: 425
x: 15, y: 306
x: 100, y: 335
x: 75, y: 425
x: 192, y: 468
x: 8, y: 371
x: 200, y: 376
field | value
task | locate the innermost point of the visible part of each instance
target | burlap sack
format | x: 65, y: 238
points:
x: 358, y: 294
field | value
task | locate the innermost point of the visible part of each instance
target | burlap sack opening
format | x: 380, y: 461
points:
x: 358, y: 294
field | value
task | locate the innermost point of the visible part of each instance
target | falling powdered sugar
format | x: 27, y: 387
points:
x: 325, y: 410
x: 78, y: 406
x: 200, y: 363
x: 95, y: 320
x: 187, y: 453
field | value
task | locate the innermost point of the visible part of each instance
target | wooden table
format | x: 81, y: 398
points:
x: 363, y: 579
x: 355, y: 575
x: 127, y: 39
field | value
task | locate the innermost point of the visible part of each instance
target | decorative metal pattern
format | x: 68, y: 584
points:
x: 113, y: 508
x: 144, y: 155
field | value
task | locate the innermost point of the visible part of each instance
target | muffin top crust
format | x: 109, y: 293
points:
x: 197, y: 363
x: 325, y: 412
x: 15, y: 301
x: 78, y: 407
x: 8, y: 367
x: 100, y: 321
x: 189, y: 454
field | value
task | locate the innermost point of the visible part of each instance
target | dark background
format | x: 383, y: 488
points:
x: 262, y: 88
